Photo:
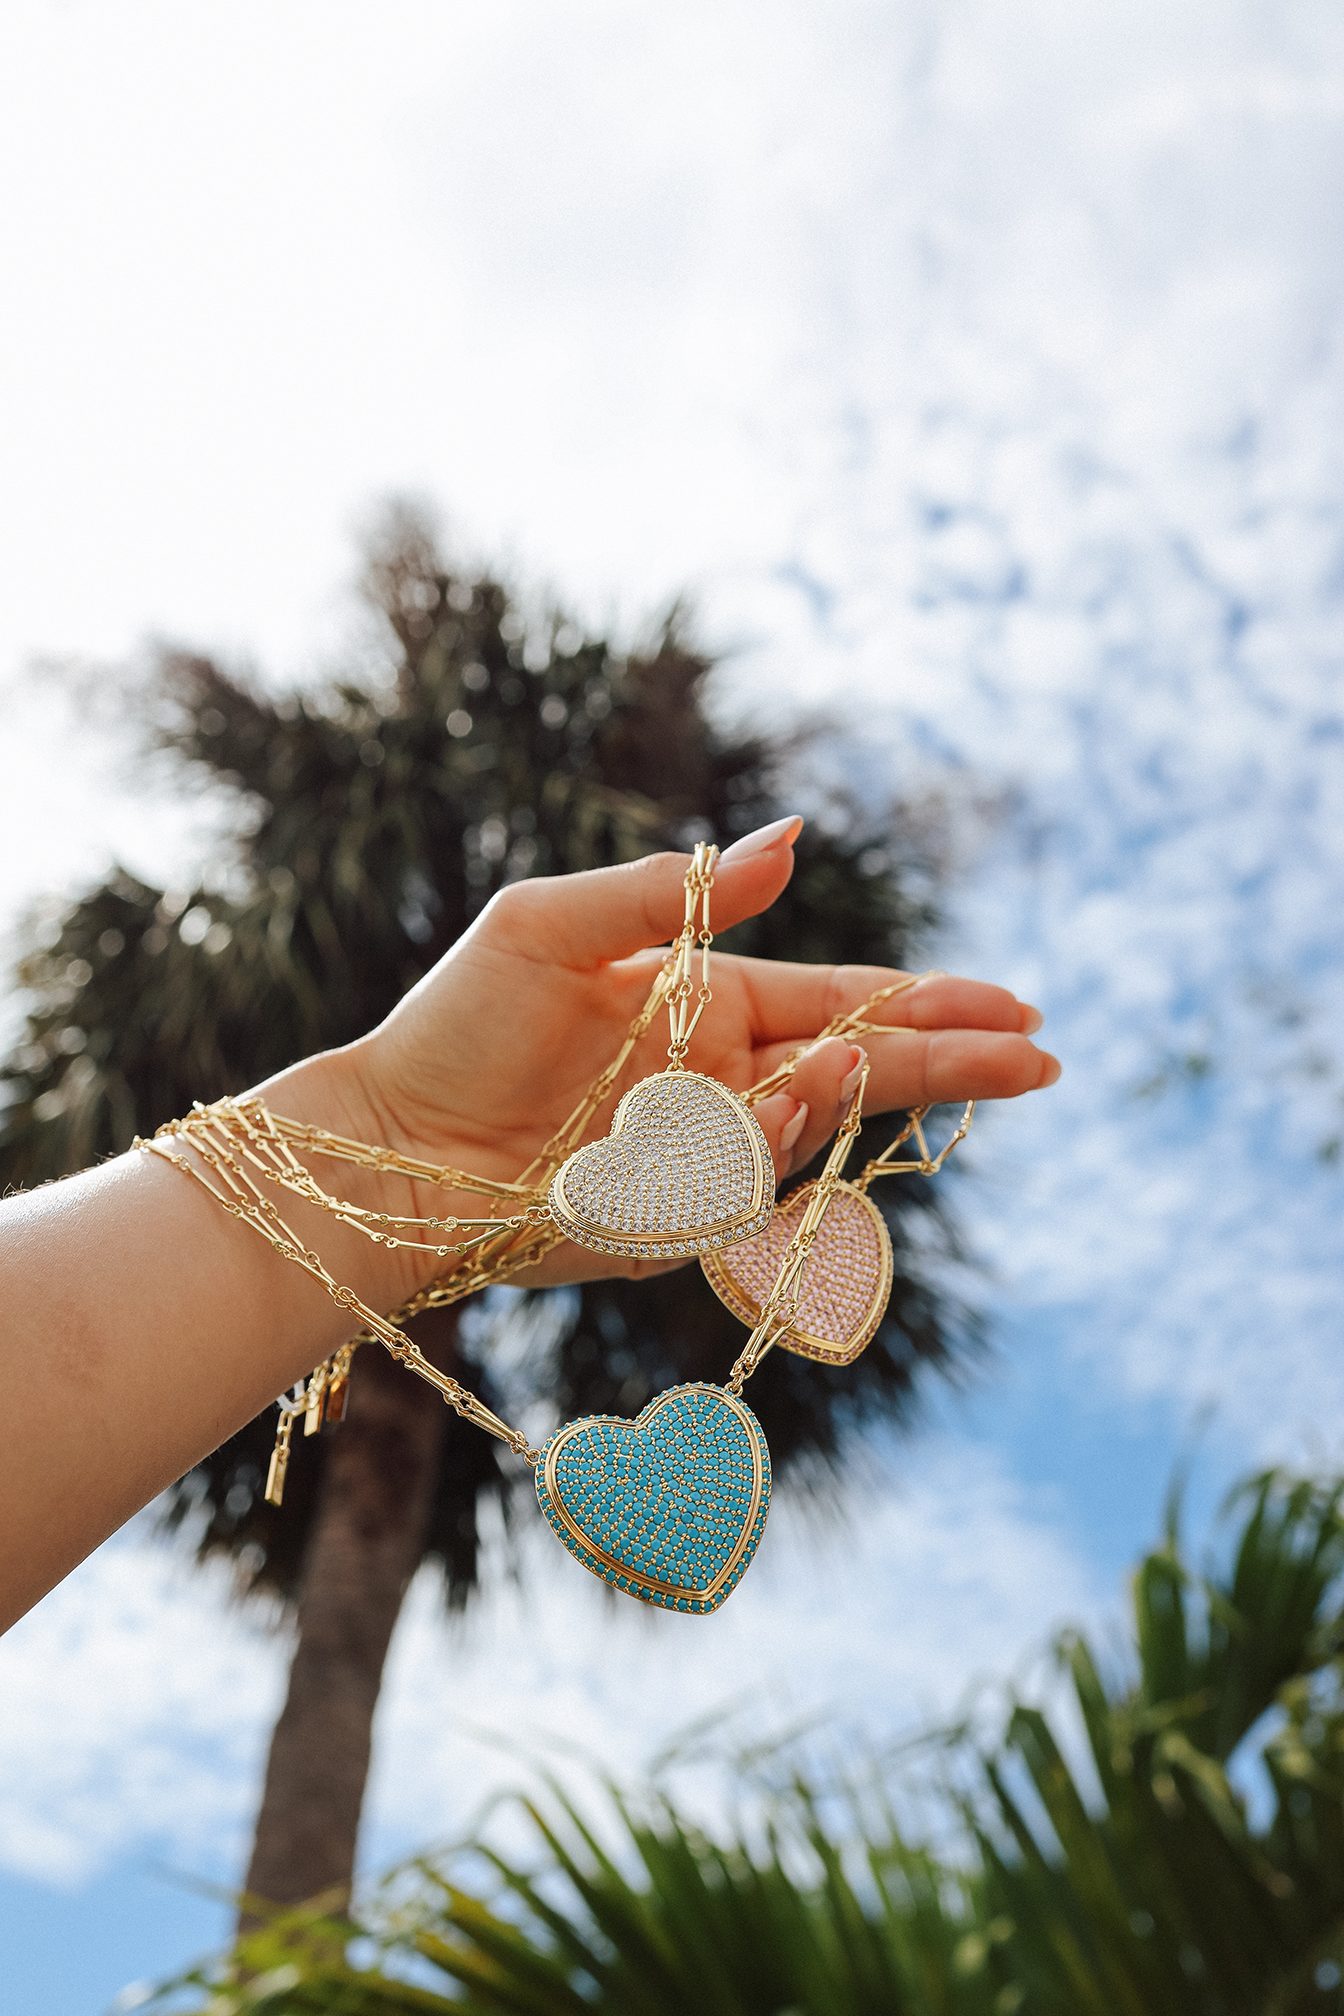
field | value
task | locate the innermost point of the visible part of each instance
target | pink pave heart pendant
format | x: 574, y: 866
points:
x: 845, y: 1286
x: 685, y: 1169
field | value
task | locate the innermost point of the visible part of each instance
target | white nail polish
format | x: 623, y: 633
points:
x: 761, y: 840
x: 849, y: 1084
x: 793, y: 1129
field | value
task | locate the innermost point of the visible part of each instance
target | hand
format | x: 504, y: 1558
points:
x: 143, y: 1324
x: 487, y: 1057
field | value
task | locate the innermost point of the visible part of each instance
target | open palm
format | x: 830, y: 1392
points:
x: 488, y: 1056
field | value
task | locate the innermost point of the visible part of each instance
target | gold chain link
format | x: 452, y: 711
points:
x: 245, y: 1145
x: 681, y: 987
x: 781, y: 1305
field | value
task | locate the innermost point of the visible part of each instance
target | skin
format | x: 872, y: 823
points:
x: 143, y: 1325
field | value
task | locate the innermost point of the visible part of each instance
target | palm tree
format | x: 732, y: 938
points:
x: 484, y: 742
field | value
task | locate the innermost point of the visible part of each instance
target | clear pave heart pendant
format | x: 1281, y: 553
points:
x: 845, y: 1286
x: 684, y: 1170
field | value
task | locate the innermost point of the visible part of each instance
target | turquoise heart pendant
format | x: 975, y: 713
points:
x: 669, y: 1507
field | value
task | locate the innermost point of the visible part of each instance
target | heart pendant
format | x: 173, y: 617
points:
x: 845, y: 1285
x: 669, y: 1507
x: 684, y: 1169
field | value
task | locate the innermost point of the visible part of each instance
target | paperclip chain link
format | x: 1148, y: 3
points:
x: 244, y: 1145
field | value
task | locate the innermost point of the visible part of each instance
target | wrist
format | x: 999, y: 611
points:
x: 332, y: 1091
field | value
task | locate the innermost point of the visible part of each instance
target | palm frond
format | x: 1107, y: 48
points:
x: 1132, y: 1883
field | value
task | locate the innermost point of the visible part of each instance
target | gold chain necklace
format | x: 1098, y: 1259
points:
x: 668, y: 1508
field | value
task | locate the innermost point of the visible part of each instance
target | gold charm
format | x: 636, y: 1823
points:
x: 317, y: 1393
x: 338, y: 1385
x: 670, y: 1507
x: 685, y: 1169
x: 844, y: 1291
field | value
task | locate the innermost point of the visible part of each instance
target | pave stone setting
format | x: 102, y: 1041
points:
x: 846, y: 1284
x: 668, y: 1508
x: 684, y: 1170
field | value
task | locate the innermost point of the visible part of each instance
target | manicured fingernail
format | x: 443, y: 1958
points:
x: 764, y: 838
x: 793, y: 1128
x: 1050, y: 1075
x: 1032, y: 1019
x: 849, y: 1084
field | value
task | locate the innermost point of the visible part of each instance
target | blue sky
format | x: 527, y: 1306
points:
x: 977, y: 369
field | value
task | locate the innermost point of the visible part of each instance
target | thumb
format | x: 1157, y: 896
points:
x: 603, y: 914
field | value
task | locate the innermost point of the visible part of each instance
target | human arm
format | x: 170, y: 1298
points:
x: 142, y: 1325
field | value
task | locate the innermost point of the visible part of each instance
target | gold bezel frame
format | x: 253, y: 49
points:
x: 610, y: 1567
x: 801, y: 1342
x: 662, y: 1245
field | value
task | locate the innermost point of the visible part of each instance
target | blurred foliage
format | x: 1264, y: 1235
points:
x: 484, y: 740
x: 1120, y: 1872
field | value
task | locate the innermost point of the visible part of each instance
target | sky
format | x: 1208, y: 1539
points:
x: 976, y: 370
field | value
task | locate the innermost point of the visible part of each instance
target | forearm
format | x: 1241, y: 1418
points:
x: 140, y: 1325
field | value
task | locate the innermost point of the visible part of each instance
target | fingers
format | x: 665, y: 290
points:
x: 961, y: 1064
x: 788, y: 1002
x: 910, y: 1068
x: 587, y: 920
x: 919, y: 1069
x: 783, y: 1122
x: 800, y: 1121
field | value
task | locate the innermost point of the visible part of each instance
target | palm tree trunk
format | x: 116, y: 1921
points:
x: 367, y: 1541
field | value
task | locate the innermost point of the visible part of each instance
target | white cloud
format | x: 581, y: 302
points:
x: 137, y: 1710
x: 138, y: 1706
x: 979, y: 364
x: 1098, y: 554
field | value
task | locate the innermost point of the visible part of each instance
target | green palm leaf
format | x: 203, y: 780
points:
x: 1129, y: 1883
